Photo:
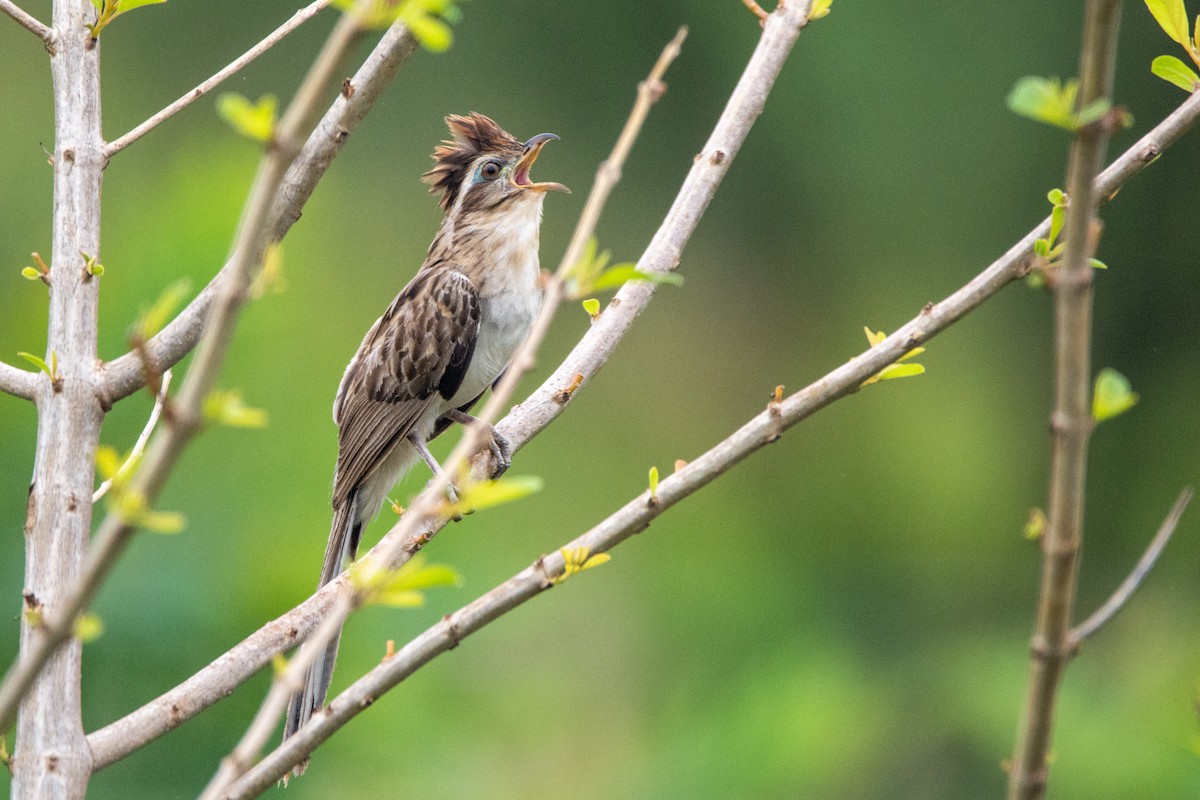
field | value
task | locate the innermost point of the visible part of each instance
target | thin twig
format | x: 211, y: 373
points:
x: 297, y: 19
x: 17, y: 382
x: 234, y: 667
x: 123, y: 376
x: 140, y: 445
x: 28, y: 22
x: 1071, y: 420
x: 1124, y: 592
x: 115, y: 530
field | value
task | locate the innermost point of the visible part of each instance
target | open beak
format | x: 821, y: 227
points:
x: 520, y: 175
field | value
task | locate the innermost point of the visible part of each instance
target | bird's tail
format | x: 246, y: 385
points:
x: 343, y: 544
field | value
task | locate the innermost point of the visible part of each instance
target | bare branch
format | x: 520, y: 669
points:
x: 228, y: 671
x: 297, y: 19
x: 28, y: 22
x: 1071, y: 420
x: 17, y: 382
x: 140, y: 445
x: 1133, y: 581
x: 116, y: 530
x: 124, y: 376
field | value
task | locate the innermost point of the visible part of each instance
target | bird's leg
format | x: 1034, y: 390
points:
x: 500, y: 449
x: 434, y: 466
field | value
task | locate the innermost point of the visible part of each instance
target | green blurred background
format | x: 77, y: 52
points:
x: 847, y: 614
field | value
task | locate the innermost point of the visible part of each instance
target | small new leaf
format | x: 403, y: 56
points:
x: 108, y: 10
x: 253, y: 120
x: 154, y: 318
x: 1172, y: 18
x: 88, y: 628
x: 1174, y: 71
x: 50, y: 369
x: 896, y: 370
x: 653, y: 485
x: 819, y: 9
x: 578, y: 559
x: 1035, y: 525
x: 1112, y: 395
x: 427, y: 20
x: 405, y: 587
x: 485, y: 494
x: 131, y: 507
x: 592, y: 307
x: 1045, y: 100
x: 108, y: 461
x: 615, y: 277
x: 279, y: 665
x: 228, y: 408
x: 31, y: 274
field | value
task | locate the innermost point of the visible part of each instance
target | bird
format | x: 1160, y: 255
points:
x: 447, y: 336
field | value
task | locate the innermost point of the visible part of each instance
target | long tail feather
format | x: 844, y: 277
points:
x: 342, y: 547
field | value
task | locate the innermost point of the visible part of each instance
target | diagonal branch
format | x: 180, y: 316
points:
x: 28, y: 22
x: 17, y: 382
x: 220, y: 678
x: 123, y: 376
x: 1101, y: 616
x: 118, y: 527
x: 297, y: 19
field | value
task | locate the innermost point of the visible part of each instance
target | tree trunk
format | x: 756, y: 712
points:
x: 51, y: 759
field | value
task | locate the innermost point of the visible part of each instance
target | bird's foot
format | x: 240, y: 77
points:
x: 501, y: 452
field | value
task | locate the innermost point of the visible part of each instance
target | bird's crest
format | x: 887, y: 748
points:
x: 473, y: 135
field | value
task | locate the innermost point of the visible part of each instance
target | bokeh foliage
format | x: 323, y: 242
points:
x: 847, y: 614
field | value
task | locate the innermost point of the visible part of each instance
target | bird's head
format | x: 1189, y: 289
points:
x: 484, y: 167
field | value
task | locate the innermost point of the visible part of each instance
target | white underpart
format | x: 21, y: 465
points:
x: 510, y: 299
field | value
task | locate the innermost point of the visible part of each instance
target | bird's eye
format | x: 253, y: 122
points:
x: 490, y: 170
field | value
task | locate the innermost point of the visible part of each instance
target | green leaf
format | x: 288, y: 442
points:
x: 228, y: 408
x: 108, y: 461
x: 153, y: 319
x: 433, y: 34
x: 1056, y: 197
x: 88, y: 628
x: 654, y: 484
x: 1172, y: 18
x: 901, y: 371
x: 31, y: 274
x: 38, y: 362
x: 1112, y: 395
x: 131, y: 507
x: 405, y: 587
x: 591, y: 306
x: 1045, y: 100
x: 1094, y: 111
x: 1035, y: 525
x: 253, y: 120
x: 1058, y: 216
x: 130, y: 5
x: 485, y: 494
x: 1096, y: 263
x: 1174, y: 71
x: 616, y: 276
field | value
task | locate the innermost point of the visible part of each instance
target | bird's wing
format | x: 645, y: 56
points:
x: 420, y: 348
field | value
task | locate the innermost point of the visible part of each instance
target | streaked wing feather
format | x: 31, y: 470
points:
x: 421, y: 347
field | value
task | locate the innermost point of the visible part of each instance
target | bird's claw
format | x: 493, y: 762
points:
x: 501, y: 451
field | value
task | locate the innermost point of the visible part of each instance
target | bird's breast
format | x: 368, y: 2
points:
x: 509, y: 301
